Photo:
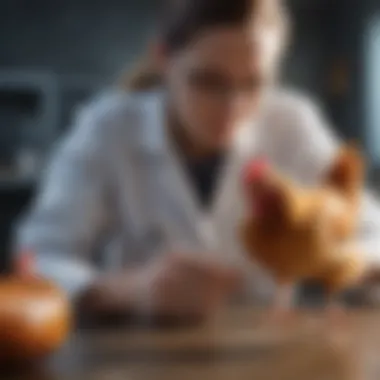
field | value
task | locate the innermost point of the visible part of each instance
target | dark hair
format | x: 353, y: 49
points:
x: 182, y: 20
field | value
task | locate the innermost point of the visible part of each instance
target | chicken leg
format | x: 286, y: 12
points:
x: 282, y: 310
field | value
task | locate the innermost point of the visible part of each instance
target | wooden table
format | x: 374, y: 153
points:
x: 236, y: 345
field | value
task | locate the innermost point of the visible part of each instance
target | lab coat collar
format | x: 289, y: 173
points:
x: 151, y: 132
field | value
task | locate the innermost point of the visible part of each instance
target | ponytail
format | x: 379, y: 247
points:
x: 144, y: 76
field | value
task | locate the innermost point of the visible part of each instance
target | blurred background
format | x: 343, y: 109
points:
x: 55, y: 54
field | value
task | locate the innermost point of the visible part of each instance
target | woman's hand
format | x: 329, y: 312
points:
x: 185, y: 285
x: 173, y: 285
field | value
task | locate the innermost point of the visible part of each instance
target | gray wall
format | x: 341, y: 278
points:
x: 306, y: 58
x: 86, y: 43
x: 91, y: 38
x: 82, y: 44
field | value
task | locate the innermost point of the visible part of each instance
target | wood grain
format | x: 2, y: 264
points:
x: 236, y: 344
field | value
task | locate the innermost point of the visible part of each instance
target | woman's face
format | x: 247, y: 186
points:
x: 216, y: 83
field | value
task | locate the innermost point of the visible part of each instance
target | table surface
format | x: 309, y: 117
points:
x: 236, y: 344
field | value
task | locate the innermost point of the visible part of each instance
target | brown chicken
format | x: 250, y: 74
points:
x: 299, y: 233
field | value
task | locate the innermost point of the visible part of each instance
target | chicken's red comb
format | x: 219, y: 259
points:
x: 255, y: 170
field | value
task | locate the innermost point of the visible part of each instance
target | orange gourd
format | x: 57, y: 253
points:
x: 35, y: 318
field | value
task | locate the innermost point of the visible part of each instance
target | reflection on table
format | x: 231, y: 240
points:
x: 236, y: 344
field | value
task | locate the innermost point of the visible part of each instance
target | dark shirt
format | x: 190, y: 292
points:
x: 204, y: 175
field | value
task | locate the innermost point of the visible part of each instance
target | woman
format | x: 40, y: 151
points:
x: 139, y: 208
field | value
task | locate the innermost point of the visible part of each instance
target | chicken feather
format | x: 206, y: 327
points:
x: 299, y: 233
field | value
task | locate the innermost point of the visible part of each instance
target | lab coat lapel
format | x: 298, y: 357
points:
x: 206, y: 228
x: 228, y: 204
x: 172, y: 205
x: 169, y: 204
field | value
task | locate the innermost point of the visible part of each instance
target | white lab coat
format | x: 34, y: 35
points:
x: 115, y: 193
